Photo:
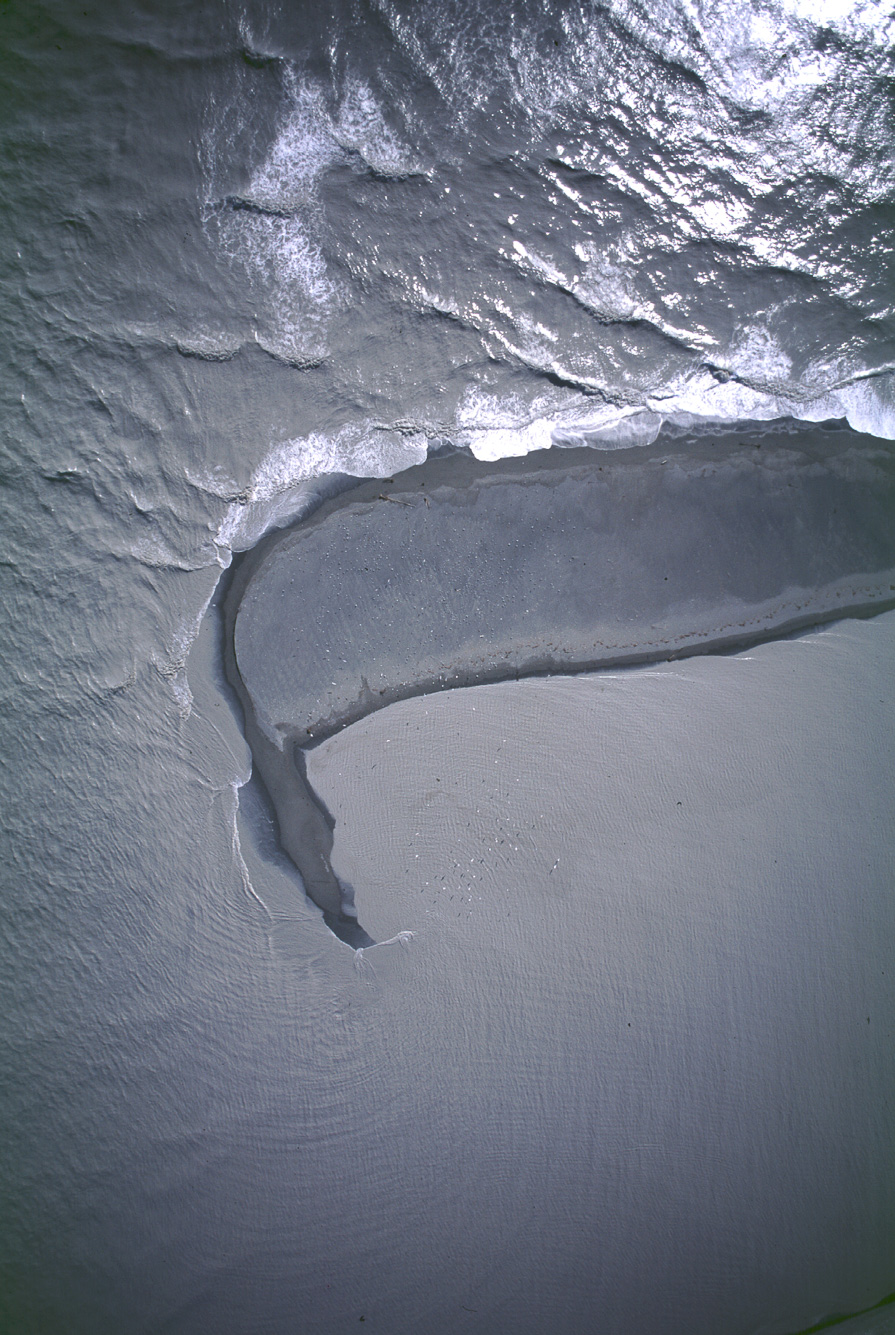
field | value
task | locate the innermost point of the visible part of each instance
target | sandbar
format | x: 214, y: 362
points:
x: 458, y: 573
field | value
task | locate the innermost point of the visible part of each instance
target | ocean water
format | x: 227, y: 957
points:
x: 251, y: 249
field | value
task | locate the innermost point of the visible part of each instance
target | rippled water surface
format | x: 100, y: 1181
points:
x: 247, y: 248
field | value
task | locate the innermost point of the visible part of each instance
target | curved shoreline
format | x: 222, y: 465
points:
x: 457, y: 573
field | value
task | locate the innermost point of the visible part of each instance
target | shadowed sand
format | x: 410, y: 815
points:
x: 457, y: 573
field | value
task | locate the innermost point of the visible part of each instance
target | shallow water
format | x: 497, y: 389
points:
x: 247, y: 250
x: 650, y: 953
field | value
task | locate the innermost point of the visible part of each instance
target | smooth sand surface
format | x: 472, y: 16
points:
x: 651, y: 981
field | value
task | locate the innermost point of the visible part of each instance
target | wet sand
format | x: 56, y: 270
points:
x: 457, y: 573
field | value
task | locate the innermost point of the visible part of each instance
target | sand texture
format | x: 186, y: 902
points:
x: 460, y: 572
x: 457, y: 573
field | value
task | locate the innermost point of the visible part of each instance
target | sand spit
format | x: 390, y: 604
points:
x: 457, y: 573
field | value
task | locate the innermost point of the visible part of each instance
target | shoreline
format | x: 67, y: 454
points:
x: 457, y: 573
